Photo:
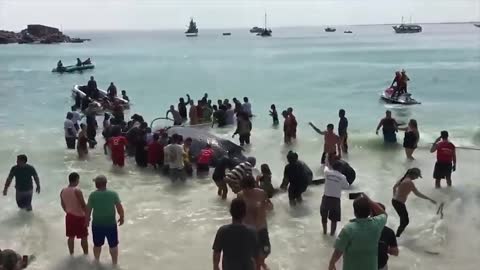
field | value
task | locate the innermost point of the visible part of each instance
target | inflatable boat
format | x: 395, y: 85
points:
x: 73, y: 68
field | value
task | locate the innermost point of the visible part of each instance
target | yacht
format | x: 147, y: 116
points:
x: 407, y: 28
x: 192, y: 30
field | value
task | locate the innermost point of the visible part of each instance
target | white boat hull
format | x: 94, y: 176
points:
x: 404, y: 99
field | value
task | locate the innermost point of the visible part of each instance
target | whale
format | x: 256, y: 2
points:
x: 201, y: 137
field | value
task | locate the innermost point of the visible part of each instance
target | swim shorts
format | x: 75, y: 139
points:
x: 99, y: 233
x: 24, y: 199
x: 389, y: 137
x: 442, y: 170
x: 330, y: 208
x: 75, y: 226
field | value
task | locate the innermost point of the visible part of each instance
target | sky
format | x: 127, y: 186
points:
x: 174, y: 14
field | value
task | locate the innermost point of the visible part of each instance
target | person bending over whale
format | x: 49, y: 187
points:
x: 401, y: 190
x: 236, y: 176
x: 295, y: 178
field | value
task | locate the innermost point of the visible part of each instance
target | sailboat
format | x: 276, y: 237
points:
x: 407, y: 28
x: 192, y: 30
x: 265, y: 32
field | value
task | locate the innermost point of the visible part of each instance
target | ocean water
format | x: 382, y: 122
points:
x: 316, y: 73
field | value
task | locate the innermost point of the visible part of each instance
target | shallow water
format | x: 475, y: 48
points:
x: 316, y: 73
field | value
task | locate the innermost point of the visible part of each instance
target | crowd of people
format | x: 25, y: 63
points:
x: 364, y: 242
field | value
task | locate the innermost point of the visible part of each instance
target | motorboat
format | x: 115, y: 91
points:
x: 330, y: 29
x: 73, y: 68
x: 192, y: 30
x: 403, y: 99
x: 477, y: 24
x: 407, y: 28
x: 347, y: 32
x: 227, y: 34
x: 80, y: 90
x: 256, y: 29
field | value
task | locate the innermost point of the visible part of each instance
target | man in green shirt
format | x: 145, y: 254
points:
x: 358, y: 240
x: 103, y: 204
x: 23, y: 174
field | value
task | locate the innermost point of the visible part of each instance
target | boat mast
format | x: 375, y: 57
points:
x: 265, y: 20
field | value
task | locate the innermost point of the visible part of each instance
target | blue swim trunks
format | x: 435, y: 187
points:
x: 100, y: 232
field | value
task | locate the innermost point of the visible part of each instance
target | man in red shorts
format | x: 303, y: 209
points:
x: 74, y: 206
x: 446, y: 159
x: 117, y: 144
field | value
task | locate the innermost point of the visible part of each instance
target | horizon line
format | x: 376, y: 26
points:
x: 247, y: 27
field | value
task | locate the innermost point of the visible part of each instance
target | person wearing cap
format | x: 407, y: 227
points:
x: 401, y: 190
x: 446, y: 159
x: 102, y: 204
x: 295, y: 178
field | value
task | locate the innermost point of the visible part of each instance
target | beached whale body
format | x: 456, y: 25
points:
x: 201, y: 138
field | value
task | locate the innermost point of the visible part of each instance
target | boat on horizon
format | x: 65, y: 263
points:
x: 407, y: 28
x: 227, y: 34
x: 256, y: 29
x: 192, y: 30
x: 347, y: 32
x: 330, y: 29
x: 477, y: 24
x: 265, y: 32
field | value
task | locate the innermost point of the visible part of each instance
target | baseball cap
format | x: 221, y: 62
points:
x: 414, y: 172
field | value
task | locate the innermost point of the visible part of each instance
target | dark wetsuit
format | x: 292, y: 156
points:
x: 182, y: 109
x: 91, y: 130
x: 410, y: 140
x: 297, y: 179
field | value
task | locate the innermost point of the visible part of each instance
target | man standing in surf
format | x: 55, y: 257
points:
x: 331, y: 142
x: 257, y: 206
x: 446, y: 159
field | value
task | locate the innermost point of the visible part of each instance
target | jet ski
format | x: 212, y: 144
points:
x: 403, y: 99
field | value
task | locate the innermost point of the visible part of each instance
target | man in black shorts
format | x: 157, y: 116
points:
x: 446, y: 159
x: 23, y: 174
x: 258, y: 204
x: 295, y: 178
x: 330, y: 208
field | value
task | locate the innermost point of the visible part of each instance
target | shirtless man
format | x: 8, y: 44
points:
x: 401, y: 190
x: 331, y: 142
x: 257, y: 206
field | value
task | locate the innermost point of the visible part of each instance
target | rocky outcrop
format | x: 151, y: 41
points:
x: 34, y: 33
x: 8, y: 37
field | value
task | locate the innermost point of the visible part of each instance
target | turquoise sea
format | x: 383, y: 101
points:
x: 315, y: 72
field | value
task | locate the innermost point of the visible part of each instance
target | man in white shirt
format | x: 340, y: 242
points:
x: 247, y: 107
x: 174, y: 155
x: 330, y: 208
x: 70, y: 131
